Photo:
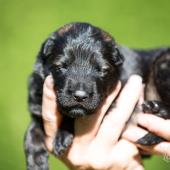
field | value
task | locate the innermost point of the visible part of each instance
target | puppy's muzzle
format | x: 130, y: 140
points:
x: 79, y: 98
x: 79, y: 91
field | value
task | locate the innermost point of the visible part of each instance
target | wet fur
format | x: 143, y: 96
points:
x: 82, y: 57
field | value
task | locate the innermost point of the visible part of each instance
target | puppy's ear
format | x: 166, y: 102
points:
x: 49, y: 45
x: 41, y: 68
x: 117, y: 57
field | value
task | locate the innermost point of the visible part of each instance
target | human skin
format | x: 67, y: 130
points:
x: 158, y: 126
x: 151, y: 123
x: 94, y: 146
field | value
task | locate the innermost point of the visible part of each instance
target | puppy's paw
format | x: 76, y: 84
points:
x: 62, y: 142
x: 150, y: 139
x: 151, y: 106
x: 38, y: 160
x: 157, y: 108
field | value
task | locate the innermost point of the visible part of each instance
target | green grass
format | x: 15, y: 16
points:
x: 23, y: 27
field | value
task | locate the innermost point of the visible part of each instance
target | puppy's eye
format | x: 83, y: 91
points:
x: 61, y: 67
x: 58, y: 67
x: 104, y: 72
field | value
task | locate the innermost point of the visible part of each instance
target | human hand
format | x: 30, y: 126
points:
x: 154, y: 124
x: 97, y: 144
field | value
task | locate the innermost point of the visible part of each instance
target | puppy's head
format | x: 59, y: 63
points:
x: 84, y: 62
x: 161, y: 73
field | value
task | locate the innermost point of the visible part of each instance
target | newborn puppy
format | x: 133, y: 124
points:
x: 86, y: 64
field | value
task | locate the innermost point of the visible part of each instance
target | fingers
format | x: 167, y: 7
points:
x: 50, y: 115
x: 155, y: 124
x: 132, y: 133
x: 124, y: 145
x: 114, y: 122
x: 162, y: 148
x: 125, y: 152
x: 141, y: 98
x: 86, y: 128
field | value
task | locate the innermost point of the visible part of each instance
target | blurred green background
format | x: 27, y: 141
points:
x: 23, y: 27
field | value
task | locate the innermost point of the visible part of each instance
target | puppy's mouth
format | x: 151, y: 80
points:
x: 75, y: 112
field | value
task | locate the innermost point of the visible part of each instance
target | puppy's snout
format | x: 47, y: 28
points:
x: 80, y: 95
x: 79, y: 91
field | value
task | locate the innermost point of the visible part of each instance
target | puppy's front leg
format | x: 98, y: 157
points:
x: 159, y: 109
x: 62, y: 142
x: 64, y: 136
x: 35, y: 150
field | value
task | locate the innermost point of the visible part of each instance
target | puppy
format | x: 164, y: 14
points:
x: 86, y: 64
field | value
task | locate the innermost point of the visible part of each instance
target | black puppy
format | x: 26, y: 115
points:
x: 86, y: 63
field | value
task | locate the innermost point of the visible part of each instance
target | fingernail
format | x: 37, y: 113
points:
x: 135, y: 77
x: 49, y: 82
x: 49, y: 143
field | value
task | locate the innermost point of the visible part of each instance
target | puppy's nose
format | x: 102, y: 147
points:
x: 80, y: 95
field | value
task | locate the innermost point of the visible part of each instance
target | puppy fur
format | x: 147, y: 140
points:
x: 86, y: 64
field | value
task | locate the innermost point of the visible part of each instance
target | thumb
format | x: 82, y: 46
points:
x: 51, y: 116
